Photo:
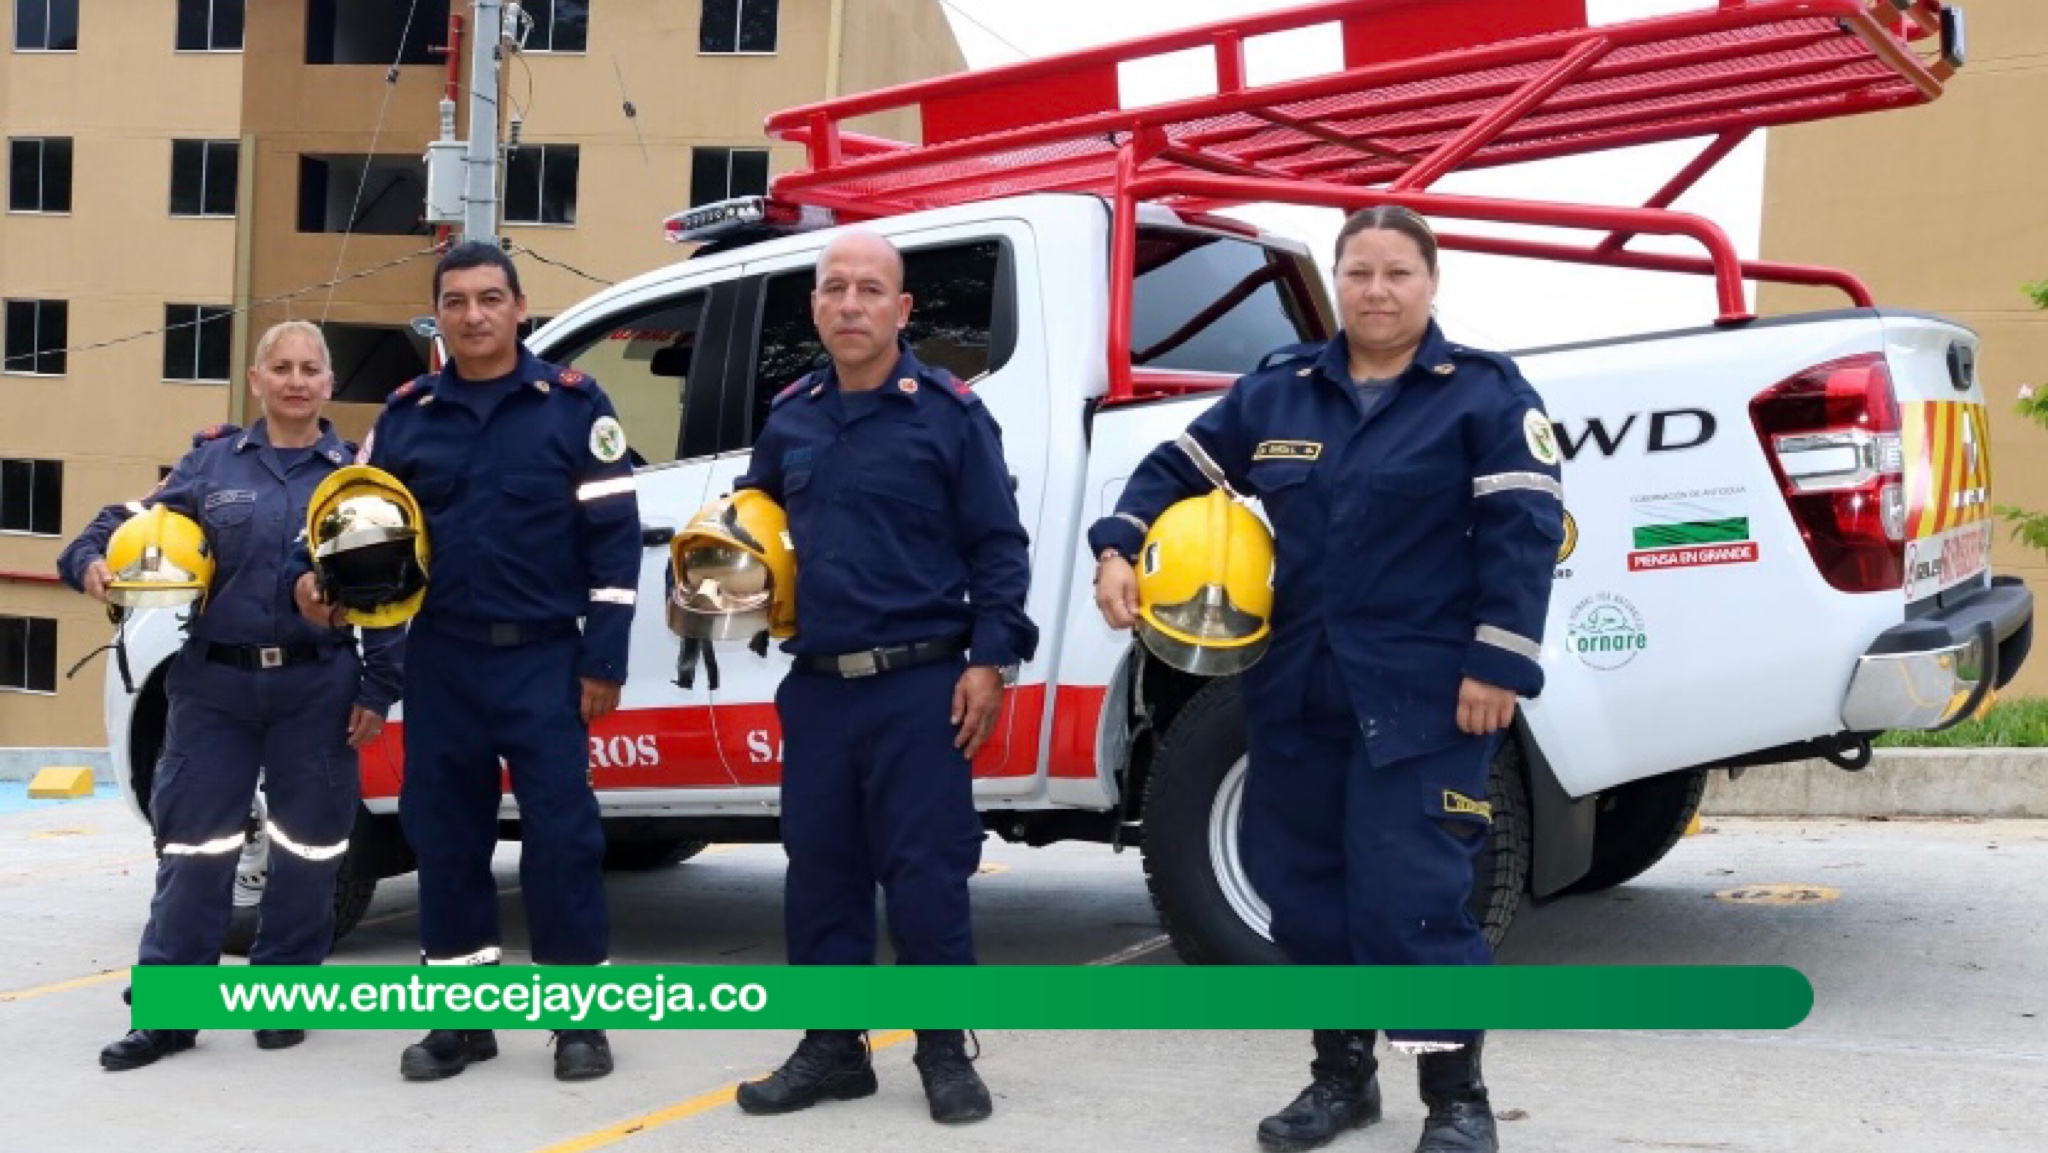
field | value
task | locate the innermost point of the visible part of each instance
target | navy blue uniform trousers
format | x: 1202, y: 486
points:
x: 466, y: 705
x: 874, y: 793
x: 1358, y: 861
x: 227, y: 725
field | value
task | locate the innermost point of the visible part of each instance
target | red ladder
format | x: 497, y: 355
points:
x: 1427, y: 87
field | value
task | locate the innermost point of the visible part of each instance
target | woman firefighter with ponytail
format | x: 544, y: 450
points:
x: 254, y: 690
x: 1413, y: 489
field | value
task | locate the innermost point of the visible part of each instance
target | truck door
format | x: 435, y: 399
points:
x: 967, y: 316
x: 660, y: 357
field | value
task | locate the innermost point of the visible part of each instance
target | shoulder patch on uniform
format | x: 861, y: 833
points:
x: 214, y: 432
x: 793, y: 388
x: 607, y: 440
x: 410, y: 390
x: 945, y: 382
x: 1541, y: 437
x: 1495, y: 359
x: 1289, y: 353
x: 572, y: 378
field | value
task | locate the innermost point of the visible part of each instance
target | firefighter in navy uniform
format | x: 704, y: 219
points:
x: 1414, y: 494
x: 521, y: 470
x: 253, y: 689
x: 911, y: 571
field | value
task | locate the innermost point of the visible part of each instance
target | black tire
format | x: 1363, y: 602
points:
x: 1636, y: 824
x: 643, y: 854
x: 1206, y: 904
x: 352, y: 894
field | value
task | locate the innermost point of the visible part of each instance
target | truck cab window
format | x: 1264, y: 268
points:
x: 1210, y: 303
x: 645, y: 361
x: 962, y: 318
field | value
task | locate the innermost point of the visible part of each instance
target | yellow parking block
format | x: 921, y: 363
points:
x: 1692, y: 827
x: 61, y: 782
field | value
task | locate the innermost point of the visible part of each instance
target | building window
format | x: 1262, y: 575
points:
x: 36, y: 331
x: 210, y: 25
x: 28, y: 654
x: 540, y: 185
x: 378, y: 195
x: 32, y: 496
x: 375, y: 31
x: 733, y: 26
x: 722, y: 173
x: 203, y: 175
x: 39, y: 174
x: 559, y: 25
x: 196, y: 341
x: 46, y: 25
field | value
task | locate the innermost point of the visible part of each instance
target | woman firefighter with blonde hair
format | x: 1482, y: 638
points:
x: 1413, y: 489
x: 255, y: 689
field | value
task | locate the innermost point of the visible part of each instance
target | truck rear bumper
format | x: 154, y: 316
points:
x: 1933, y: 671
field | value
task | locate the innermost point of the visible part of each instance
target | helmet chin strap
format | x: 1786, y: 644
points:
x: 119, y: 645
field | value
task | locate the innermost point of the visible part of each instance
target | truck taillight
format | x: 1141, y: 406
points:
x: 1831, y: 434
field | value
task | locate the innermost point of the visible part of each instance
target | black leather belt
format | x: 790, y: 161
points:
x: 871, y: 661
x: 498, y: 634
x: 263, y: 656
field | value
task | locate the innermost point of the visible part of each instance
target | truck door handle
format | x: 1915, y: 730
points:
x: 656, y: 536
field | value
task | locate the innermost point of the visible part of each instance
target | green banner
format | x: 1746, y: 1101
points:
x: 985, y: 997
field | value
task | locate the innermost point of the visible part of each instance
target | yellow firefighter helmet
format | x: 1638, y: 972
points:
x: 1205, y: 586
x: 733, y: 571
x: 368, y: 539
x: 159, y: 557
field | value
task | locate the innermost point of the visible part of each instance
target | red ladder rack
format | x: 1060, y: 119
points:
x: 1427, y: 87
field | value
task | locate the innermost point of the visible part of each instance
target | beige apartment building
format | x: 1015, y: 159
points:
x: 182, y: 173
x: 1944, y: 209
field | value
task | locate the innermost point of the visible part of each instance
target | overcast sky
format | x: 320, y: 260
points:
x: 1487, y: 301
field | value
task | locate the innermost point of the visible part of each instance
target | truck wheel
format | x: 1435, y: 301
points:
x: 352, y: 889
x: 1196, y: 874
x: 1636, y: 824
x: 643, y: 854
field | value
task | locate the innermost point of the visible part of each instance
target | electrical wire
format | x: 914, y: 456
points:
x: 376, y: 132
x: 232, y: 312
x: 564, y: 266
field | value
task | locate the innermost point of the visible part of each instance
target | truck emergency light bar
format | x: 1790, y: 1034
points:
x: 726, y: 218
x: 1426, y: 88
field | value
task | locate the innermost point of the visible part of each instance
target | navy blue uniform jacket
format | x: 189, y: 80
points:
x: 903, y: 519
x: 1417, y: 540
x: 530, y: 510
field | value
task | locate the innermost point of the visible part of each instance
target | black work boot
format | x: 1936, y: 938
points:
x: 1343, y: 1093
x: 828, y: 1065
x: 145, y: 1047
x: 1460, y: 1116
x: 279, y: 1038
x: 445, y: 1052
x: 951, y: 1086
x: 582, y: 1055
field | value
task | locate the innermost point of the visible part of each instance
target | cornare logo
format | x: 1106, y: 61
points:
x: 1606, y: 632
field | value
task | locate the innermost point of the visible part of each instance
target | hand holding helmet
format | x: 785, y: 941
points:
x: 368, y: 541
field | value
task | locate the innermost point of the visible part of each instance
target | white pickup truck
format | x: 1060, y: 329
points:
x: 1778, y: 536
x: 1779, y: 549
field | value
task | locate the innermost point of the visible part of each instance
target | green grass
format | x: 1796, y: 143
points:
x: 2015, y: 724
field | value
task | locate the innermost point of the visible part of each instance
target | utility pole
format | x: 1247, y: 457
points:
x: 480, y: 188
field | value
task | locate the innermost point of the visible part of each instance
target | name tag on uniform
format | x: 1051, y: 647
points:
x: 230, y: 496
x: 1456, y: 802
x: 1287, y: 450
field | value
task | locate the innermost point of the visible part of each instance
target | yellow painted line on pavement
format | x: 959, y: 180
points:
x: 682, y: 1110
x: 717, y: 1098
x: 107, y: 977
